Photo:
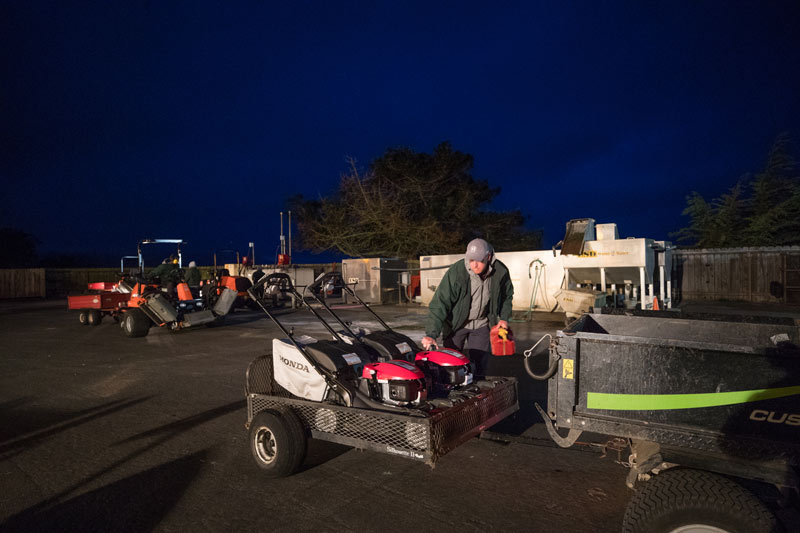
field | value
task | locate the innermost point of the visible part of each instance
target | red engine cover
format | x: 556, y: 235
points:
x: 391, y: 370
x: 443, y: 357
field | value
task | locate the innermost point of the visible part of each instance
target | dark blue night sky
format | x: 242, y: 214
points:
x: 122, y: 120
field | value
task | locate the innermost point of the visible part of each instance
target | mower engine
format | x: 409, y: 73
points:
x: 394, y: 383
x: 445, y: 368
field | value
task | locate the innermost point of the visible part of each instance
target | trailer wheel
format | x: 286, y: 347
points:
x: 694, y: 500
x: 135, y: 323
x: 94, y: 317
x: 277, y: 442
x: 83, y: 317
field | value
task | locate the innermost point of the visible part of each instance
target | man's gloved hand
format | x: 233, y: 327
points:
x: 427, y: 342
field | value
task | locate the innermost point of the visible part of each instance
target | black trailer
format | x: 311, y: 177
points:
x: 710, y: 411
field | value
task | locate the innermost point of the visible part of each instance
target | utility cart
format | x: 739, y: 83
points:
x: 710, y: 411
x: 342, y: 390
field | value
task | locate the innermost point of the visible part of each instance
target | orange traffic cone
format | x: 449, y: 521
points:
x: 655, y: 304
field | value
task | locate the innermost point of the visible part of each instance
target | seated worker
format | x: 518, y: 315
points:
x: 474, y: 295
x: 192, y: 279
x: 167, y: 274
x: 161, y: 271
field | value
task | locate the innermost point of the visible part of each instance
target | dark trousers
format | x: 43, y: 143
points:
x: 477, y: 345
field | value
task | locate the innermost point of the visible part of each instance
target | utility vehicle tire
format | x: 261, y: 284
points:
x: 94, y: 317
x: 678, y: 498
x: 135, y: 323
x: 83, y: 317
x: 277, y: 442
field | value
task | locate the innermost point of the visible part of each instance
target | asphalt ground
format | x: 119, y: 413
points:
x: 102, y: 432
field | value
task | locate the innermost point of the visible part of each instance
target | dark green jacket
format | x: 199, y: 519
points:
x: 192, y: 277
x: 165, y: 272
x: 449, y: 308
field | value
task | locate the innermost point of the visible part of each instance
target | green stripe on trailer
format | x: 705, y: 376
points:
x: 657, y: 402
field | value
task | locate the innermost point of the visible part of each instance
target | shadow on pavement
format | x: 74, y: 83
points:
x: 22, y: 428
x: 529, y: 390
x: 175, y: 428
x: 320, y: 452
x: 136, y: 503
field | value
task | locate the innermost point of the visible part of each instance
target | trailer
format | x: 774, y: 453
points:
x: 364, y: 392
x: 709, y: 410
x: 103, y: 302
x: 417, y: 435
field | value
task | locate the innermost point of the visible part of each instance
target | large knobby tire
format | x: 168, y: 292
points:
x: 94, y: 317
x: 277, y: 442
x: 135, y: 323
x: 683, y: 497
x: 83, y: 317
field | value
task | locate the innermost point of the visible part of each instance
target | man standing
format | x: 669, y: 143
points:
x: 474, y: 295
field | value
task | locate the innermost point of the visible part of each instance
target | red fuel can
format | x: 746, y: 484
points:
x: 502, y: 341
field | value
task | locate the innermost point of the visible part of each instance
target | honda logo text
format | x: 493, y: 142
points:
x: 294, y: 364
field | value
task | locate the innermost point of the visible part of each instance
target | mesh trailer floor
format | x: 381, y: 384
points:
x: 423, y: 438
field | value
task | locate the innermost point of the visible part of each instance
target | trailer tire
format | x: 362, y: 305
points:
x: 135, y: 323
x: 277, y: 442
x: 681, y: 497
x: 94, y: 317
x: 83, y: 317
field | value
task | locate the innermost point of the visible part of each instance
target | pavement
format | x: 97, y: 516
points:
x: 106, y: 433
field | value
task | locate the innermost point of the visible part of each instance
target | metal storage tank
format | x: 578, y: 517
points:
x: 372, y: 285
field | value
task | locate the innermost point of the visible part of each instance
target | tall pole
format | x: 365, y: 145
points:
x: 290, y: 236
x: 283, y: 240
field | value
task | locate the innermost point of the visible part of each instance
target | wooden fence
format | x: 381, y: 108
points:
x: 22, y: 283
x: 59, y: 282
x: 759, y: 275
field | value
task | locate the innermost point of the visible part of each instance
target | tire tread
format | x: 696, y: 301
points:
x: 683, y: 493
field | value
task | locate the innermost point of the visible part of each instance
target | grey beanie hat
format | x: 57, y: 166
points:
x: 192, y: 264
x: 478, y: 250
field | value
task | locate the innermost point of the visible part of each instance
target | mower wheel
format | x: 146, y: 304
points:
x: 135, y: 323
x: 83, y: 317
x: 277, y: 442
x: 94, y: 317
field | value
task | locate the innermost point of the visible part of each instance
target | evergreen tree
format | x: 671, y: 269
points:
x: 760, y: 210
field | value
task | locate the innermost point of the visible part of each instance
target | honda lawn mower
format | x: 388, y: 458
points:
x: 386, y: 344
x: 446, y: 371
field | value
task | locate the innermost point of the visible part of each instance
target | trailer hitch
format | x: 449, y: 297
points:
x: 564, y: 442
